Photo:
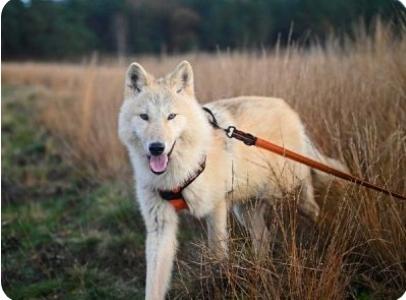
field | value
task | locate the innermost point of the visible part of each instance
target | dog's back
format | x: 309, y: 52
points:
x: 255, y: 170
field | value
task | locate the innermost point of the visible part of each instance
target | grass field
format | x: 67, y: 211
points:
x: 70, y: 227
x: 62, y: 234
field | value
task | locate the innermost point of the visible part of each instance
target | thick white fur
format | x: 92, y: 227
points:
x: 234, y: 172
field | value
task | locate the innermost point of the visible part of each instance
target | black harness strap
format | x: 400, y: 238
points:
x: 213, y: 120
x: 177, y: 193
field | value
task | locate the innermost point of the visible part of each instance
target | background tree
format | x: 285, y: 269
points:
x: 49, y: 29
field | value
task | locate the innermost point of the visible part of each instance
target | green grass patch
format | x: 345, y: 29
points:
x: 63, y: 236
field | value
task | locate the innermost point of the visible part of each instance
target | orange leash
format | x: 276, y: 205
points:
x: 250, y: 140
x: 176, y: 199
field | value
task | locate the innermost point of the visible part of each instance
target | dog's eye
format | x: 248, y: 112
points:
x: 144, y: 117
x: 171, y: 116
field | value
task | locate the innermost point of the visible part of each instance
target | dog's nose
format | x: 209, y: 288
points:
x: 156, y: 148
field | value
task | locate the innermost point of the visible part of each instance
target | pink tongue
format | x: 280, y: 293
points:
x: 158, y: 163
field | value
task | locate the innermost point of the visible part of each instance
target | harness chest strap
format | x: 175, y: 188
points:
x: 175, y: 197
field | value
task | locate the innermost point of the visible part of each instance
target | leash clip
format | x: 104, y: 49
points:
x: 230, y: 131
x: 246, y: 138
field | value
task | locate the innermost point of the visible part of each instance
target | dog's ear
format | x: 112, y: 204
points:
x: 137, y: 78
x: 181, y: 78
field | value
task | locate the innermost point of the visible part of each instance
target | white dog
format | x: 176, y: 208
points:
x: 172, y: 145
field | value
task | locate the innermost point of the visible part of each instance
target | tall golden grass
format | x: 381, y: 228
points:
x: 352, y: 98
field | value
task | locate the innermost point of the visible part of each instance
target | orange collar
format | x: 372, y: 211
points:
x: 175, y: 197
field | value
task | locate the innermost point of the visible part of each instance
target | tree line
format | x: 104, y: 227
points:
x: 46, y: 29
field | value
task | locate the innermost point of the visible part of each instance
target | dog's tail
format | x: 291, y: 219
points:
x: 334, y: 163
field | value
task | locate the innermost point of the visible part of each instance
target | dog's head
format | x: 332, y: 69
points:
x: 156, y: 112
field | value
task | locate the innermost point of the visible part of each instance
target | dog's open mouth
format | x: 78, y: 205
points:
x: 159, y: 163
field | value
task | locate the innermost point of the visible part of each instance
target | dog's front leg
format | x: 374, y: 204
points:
x: 162, y: 223
x: 217, y: 230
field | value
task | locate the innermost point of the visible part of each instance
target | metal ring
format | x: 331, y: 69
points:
x: 230, y: 131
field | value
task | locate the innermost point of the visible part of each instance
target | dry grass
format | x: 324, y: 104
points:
x: 353, y: 101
